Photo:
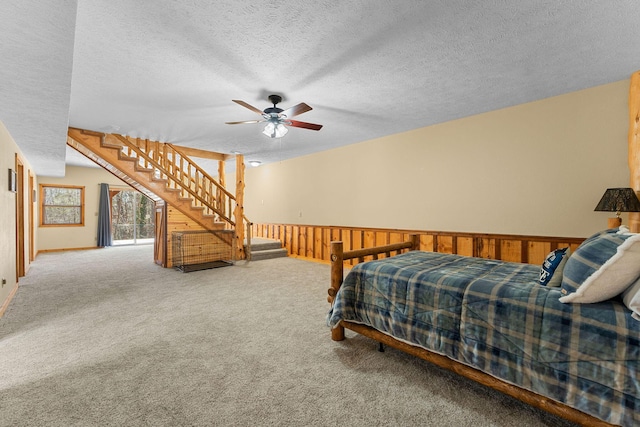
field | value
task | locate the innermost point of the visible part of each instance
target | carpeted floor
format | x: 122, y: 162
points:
x: 107, y: 338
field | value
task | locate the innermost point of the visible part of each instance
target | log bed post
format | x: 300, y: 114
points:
x: 337, y: 274
x: 415, y: 242
x: 338, y: 256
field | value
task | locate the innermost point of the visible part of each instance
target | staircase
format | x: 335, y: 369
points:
x: 163, y: 172
x: 262, y: 248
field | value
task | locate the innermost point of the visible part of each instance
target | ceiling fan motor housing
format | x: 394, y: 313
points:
x: 275, y: 100
x: 271, y: 110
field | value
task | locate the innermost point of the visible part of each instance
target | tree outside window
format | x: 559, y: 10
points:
x: 132, y: 216
x: 61, y: 205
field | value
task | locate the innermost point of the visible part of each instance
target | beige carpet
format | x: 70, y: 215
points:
x: 107, y: 338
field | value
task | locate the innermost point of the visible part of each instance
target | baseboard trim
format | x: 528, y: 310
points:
x: 43, y: 251
x: 7, y: 301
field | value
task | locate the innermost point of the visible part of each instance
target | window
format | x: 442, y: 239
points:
x: 132, y: 218
x: 61, y: 205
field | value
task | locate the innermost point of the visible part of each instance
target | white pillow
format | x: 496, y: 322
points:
x: 611, y: 277
x: 631, y: 298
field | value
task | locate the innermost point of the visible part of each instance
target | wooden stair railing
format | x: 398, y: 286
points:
x: 166, y: 163
x: 211, y: 192
x: 182, y: 174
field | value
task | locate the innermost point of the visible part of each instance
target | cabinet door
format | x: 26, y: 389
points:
x: 160, y: 243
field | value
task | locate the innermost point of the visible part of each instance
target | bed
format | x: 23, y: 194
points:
x: 493, y: 321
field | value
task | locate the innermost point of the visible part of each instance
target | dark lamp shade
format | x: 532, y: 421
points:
x: 619, y: 200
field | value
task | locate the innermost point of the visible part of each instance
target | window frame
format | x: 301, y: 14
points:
x: 43, y: 206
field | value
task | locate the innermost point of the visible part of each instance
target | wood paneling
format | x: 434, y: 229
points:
x: 313, y: 242
x: 464, y: 246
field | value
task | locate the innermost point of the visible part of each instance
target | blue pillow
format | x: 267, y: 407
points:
x: 603, y: 232
x: 552, y: 267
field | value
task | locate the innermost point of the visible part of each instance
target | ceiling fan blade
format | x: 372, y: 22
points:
x: 246, y: 121
x: 296, y: 110
x: 250, y: 107
x: 305, y: 125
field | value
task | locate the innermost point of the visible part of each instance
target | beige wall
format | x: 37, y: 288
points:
x: 52, y: 238
x: 8, y: 152
x: 535, y: 169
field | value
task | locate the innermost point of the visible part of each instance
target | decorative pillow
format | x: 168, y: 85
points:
x: 601, y: 268
x: 551, y: 270
x: 631, y: 298
x: 620, y: 229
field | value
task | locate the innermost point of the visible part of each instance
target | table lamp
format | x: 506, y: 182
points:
x: 618, y: 200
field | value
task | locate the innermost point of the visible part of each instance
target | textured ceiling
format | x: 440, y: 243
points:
x: 168, y: 70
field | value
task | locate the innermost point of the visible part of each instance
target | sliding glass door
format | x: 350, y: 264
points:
x: 132, y: 217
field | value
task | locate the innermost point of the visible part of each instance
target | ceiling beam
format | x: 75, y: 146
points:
x: 203, y: 154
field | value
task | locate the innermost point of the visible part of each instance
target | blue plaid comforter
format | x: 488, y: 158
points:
x: 494, y: 316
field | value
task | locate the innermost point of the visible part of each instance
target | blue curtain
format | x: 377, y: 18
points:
x: 104, y: 217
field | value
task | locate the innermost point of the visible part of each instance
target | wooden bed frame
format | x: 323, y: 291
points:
x: 338, y: 256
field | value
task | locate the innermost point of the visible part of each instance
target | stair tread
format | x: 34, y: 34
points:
x: 260, y: 244
x: 268, y: 254
x: 268, y: 250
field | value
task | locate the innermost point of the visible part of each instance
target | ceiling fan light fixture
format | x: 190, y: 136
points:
x: 273, y: 129
x: 277, y: 119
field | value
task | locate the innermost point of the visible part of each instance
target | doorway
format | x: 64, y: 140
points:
x: 132, y: 218
x: 20, y: 226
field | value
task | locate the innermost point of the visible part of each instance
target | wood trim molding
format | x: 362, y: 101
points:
x: 8, y: 300
x: 42, y: 251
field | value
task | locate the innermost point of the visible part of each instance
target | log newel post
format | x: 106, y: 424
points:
x: 239, y: 209
x: 220, y: 196
x: 634, y: 145
x: 337, y: 274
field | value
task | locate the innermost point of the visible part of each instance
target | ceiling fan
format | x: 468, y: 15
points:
x: 278, y: 119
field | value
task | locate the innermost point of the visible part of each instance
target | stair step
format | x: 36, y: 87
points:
x: 124, y: 157
x: 143, y: 169
x: 259, y: 244
x: 267, y: 254
x: 112, y: 146
x: 262, y: 248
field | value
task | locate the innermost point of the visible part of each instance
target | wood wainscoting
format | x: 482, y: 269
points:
x: 313, y: 242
